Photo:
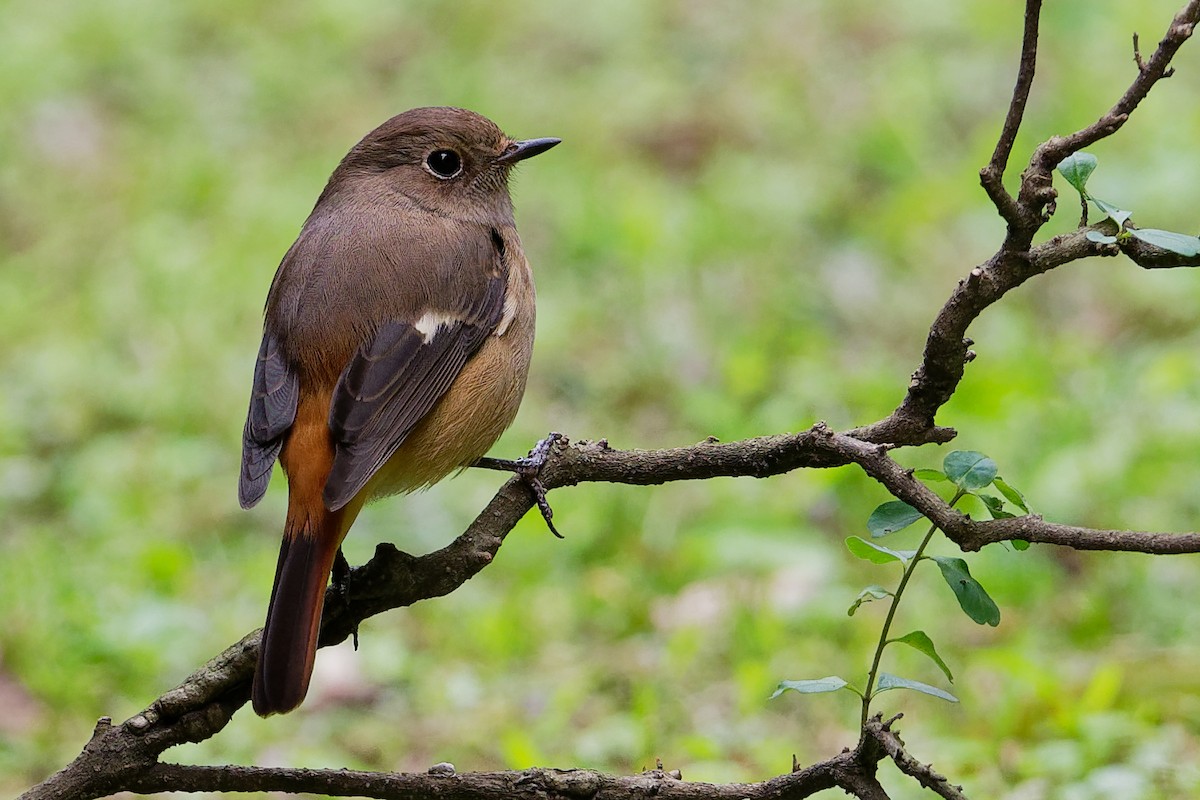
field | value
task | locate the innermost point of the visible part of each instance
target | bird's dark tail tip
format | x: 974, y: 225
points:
x: 289, y: 640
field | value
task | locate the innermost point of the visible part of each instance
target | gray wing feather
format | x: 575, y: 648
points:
x: 273, y: 399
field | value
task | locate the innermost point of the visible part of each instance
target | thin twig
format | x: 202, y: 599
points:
x: 992, y: 176
x: 890, y: 741
x: 1035, y: 183
x: 1137, y: 54
x: 947, y: 348
x: 869, y: 692
x: 972, y: 535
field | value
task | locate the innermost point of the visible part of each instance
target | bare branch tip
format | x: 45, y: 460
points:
x: 941, y: 434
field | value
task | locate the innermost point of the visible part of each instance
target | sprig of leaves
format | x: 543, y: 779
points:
x: 970, y: 473
x: 1077, y: 168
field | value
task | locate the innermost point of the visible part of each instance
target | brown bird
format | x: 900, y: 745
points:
x: 396, y: 341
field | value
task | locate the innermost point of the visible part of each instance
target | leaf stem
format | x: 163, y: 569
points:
x: 868, y: 693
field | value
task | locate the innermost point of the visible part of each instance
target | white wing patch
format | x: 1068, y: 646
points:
x: 431, y: 321
x: 510, y: 313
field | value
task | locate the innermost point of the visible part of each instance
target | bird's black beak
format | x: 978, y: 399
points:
x: 519, y: 151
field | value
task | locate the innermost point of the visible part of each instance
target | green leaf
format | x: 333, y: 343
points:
x: 1077, y: 168
x: 992, y: 502
x: 973, y: 598
x: 813, y: 686
x: 930, y: 475
x: 920, y: 641
x: 867, y: 595
x: 877, y: 553
x: 994, y: 506
x: 969, y: 469
x: 1010, y: 494
x: 1117, y: 215
x: 1179, y: 243
x: 1019, y: 544
x: 1099, y: 238
x: 890, y: 517
x: 889, y: 681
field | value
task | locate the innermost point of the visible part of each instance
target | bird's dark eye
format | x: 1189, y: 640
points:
x: 444, y: 163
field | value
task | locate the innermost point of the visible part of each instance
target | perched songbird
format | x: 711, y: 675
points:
x: 395, y: 347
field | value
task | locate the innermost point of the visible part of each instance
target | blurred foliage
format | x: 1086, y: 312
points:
x: 757, y: 211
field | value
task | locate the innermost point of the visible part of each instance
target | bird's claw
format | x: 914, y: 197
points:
x: 529, y: 470
x: 341, y: 587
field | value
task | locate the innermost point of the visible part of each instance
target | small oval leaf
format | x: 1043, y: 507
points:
x: 1117, y: 215
x: 1099, y: 238
x: 919, y: 640
x: 995, y: 506
x: 812, y: 686
x: 1179, y: 243
x: 890, y: 517
x: 930, y: 475
x: 973, y: 598
x: 1010, y: 494
x: 889, y: 681
x: 877, y: 553
x: 867, y: 595
x: 1019, y: 544
x: 969, y: 469
x: 1077, y: 168
x: 992, y: 502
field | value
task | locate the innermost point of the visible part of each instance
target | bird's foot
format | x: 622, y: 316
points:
x: 529, y: 469
x: 341, y: 587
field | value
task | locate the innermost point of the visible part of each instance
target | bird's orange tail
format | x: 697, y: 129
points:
x: 289, y: 639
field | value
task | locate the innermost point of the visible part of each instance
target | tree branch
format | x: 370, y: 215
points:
x: 852, y: 770
x: 947, y: 348
x: 1037, y: 192
x: 1148, y: 256
x: 204, y: 703
x: 924, y: 774
x: 443, y: 782
x: 1150, y: 72
x: 992, y: 176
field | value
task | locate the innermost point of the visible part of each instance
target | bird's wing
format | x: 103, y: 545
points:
x: 396, y: 377
x: 272, y: 410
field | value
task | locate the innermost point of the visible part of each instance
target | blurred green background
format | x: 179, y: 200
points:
x: 755, y: 214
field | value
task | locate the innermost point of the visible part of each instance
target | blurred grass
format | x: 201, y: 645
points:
x: 756, y: 213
